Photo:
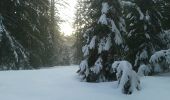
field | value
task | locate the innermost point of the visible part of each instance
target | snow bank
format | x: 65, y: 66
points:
x: 63, y: 84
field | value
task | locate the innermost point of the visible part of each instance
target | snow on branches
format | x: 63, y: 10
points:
x: 144, y: 70
x: 18, y: 51
x: 128, y: 80
x: 160, y: 60
x: 83, y: 69
x: 103, y: 17
x: 118, y: 38
x: 97, y: 66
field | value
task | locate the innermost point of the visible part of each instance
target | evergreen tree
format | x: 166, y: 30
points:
x: 143, y: 19
x: 57, y: 41
x: 104, y: 40
x: 77, y: 26
x: 27, y: 37
x: 165, y: 10
x: 82, y: 21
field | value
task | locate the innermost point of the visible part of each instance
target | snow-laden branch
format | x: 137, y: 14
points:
x: 18, y: 50
x: 160, y: 60
x: 128, y: 80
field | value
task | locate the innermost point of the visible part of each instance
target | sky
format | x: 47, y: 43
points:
x: 68, y: 14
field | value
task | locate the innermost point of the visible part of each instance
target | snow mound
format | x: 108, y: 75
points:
x: 128, y: 80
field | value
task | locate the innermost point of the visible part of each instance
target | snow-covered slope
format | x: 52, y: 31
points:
x: 62, y: 83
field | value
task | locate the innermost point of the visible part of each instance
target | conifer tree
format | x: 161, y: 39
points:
x: 144, y: 25
x: 165, y: 10
x: 78, y: 26
x: 30, y: 40
x: 104, y: 41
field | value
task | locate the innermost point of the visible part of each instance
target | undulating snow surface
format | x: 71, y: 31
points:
x: 62, y: 83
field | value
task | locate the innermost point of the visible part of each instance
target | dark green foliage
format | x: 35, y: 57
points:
x: 165, y: 9
x: 143, y: 20
x: 28, y: 23
x: 142, y: 33
x: 98, y: 56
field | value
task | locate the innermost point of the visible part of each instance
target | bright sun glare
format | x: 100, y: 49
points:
x: 67, y: 14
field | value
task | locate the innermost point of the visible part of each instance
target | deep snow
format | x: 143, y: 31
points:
x: 62, y: 83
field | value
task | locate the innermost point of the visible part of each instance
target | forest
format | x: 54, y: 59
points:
x: 111, y: 40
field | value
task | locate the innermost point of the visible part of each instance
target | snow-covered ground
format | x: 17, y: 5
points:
x: 62, y: 83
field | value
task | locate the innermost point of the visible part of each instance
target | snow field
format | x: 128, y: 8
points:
x: 63, y: 83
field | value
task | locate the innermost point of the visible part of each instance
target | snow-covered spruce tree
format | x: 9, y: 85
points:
x: 12, y: 54
x: 128, y: 79
x: 104, y: 41
x: 165, y: 11
x: 28, y: 24
x: 143, y: 19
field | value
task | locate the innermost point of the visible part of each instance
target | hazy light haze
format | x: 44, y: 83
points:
x: 67, y: 14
